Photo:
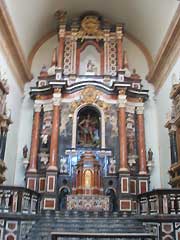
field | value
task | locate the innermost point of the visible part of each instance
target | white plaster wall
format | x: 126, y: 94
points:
x: 43, y: 55
x: 24, y: 135
x: 14, y: 104
x: 136, y: 58
x: 152, y: 137
x: 163, y: 107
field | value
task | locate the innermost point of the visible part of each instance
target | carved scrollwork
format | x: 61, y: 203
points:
x: 90, y: 95
x: 90, y: 26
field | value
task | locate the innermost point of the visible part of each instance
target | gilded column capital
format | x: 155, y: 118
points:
x: 57, y: 99
x: 37, y: 107
x: 48, y: 107
x: 140, y: 110
x: 130, y: 108
x: 62, y: 31
x: 173, y: 128
x: 119, y: 31
x: 106, y: 35
x: 122, y: 101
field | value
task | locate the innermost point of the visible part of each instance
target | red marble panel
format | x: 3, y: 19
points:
x: 125, y: 205
x: 49, y: 203
x: 143, y: 186
x: 133, y: 187
x: 124, y: 185
x: 51, y: 183
x: 42, y: 185
x: 31, y: 184
x: 10, y: 237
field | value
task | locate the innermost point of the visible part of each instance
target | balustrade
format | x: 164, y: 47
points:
x: 18, y: 200
x: 160, y: 201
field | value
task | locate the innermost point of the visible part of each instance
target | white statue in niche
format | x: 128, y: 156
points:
x: 91, y: 68
x: 90, y: 61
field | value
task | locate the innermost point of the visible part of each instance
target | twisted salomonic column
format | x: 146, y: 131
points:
x: 35, y: 139
x: 122, y: 131
x: 61, y: 47
x: 173, y: 144
x: 119, y: 34
x: 53, y: 158
x: 141, y: 140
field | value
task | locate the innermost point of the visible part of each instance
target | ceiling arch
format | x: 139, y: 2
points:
x: 129, y: 36
x: 146, y: 20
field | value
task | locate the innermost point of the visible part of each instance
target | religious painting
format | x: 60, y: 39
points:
x: 88, y: 128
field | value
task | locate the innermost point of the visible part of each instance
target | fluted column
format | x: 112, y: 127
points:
x: 53, y: 158
x: 61, y: 47
x: 141, y: 140
x: 35, y: 139
x: 122, y: 132
x: 173, y: 144
x: 119, y: 33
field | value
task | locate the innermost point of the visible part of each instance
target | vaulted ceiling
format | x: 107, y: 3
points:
x: 147, y: 20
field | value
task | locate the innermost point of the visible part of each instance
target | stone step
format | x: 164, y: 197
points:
x: 102, y: 224
x: 108, y: 221
x: 52, y: 223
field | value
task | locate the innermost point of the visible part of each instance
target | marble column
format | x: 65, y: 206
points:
x: 122, y: 133
x: 35, y: 139
x: 173, y: 144
x: 53, y: 158
x: 119, y: 35
x: 61, y: 47
x: 141, y: 140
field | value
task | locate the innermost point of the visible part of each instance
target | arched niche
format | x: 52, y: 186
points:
x: 88, y: 128
x: 80, y: 117
x: 111, y: 192
x: 63, y: 192
x: 90, y: 59
x: 87, y: 179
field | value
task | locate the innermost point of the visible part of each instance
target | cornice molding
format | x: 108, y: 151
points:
x: 167, y: 55
x: 12, y: 49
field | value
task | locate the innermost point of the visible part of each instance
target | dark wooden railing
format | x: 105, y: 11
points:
x: 18, y: 200
x: 159, y: 201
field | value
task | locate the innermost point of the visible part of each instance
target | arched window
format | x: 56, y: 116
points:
x: 88, y: 128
